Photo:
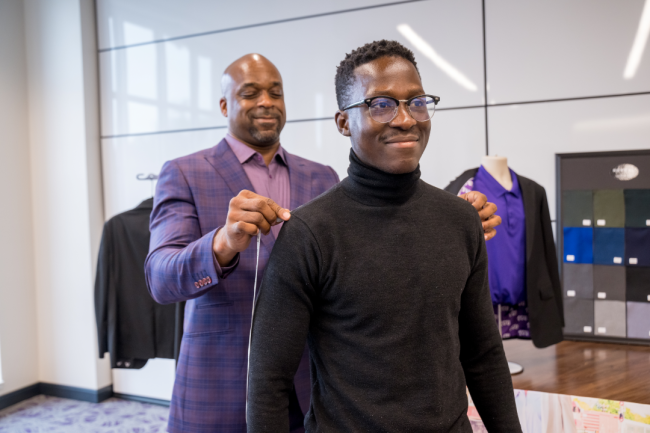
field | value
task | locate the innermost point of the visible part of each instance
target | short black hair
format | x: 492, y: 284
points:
x: 362, y: 55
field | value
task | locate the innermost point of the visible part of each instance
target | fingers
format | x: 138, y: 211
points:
x: 251, y: 202
x: 492, y: 222
x: 259, y: 207
x: 487, y: 211
x: 281, y: 212
x: 489, y: 234
x: 257, y: 219
x: 477, y: 199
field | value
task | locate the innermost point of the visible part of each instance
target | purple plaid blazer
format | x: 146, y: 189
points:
x: 190, y: 204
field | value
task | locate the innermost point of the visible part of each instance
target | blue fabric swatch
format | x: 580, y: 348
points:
x: 609, y: 246
x: 578, y: 244
x: 637, y: 247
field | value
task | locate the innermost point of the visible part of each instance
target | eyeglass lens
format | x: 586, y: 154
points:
x: 384, y: 109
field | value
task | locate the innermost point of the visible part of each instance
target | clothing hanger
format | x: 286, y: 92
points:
x: 151, y: 177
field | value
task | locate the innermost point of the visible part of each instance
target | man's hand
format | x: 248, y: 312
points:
x: 247, y: 214
x: 485, y: 211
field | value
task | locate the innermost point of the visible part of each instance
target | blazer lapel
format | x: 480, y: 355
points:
x: 300, y: 180
x: 528, y: 195
x: 227, y: 165
x: 224, y: 161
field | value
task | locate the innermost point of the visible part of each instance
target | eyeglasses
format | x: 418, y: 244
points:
x: 383, y: 109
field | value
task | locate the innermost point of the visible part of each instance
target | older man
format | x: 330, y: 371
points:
x: 385, y: 278
x: 205, y: 215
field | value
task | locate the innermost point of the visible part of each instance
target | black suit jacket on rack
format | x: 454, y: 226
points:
x: 543, y: 288
x: 130, y: 324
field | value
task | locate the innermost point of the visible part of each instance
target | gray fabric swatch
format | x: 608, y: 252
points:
x: 638, y: 320
x: 609, y: 283
x: 578, y: 280
x: 578, y: 316
x: 609, y: 318
x: 609, y: 208
x: 577, y: 209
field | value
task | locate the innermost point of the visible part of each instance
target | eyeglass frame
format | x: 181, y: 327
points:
x: 368, y: 101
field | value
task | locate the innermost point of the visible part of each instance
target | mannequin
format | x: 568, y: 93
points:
x: 497, y: 166
x: 524, y: 280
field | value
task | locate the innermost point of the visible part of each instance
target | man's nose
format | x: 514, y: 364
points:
x: 403, y: 119
x: 265, y: 100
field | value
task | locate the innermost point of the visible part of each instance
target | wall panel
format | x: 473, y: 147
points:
x: 176, y: 85
x: 539, y: 50
x: 122, y: 21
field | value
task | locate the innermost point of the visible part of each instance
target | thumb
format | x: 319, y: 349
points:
x: 282, y: 213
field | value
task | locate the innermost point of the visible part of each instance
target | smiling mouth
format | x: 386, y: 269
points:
x: 405, y: 142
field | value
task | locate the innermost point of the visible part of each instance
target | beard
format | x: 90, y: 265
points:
x: 269, y: 136
x: 265, y: 136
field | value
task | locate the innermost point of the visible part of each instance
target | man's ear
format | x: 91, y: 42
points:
x: 342, y: 122
x: 223, y: 105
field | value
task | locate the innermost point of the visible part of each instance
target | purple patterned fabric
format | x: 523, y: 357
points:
x: 271, y: 181
x: 514, y: 320
x: 190, y: 204
x: 468, y: 187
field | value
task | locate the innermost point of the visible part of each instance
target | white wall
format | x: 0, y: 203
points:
x: 18, y: 322
x: 66, y: 187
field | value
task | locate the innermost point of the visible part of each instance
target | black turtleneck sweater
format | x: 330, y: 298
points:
x: 385, y: 277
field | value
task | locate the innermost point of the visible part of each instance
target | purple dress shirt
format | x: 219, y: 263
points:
x: 507, y: 251
x: 271, y: 181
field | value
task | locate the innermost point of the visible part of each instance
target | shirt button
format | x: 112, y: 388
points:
x: 270, y: 177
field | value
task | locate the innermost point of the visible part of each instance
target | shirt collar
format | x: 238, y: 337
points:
x: 494, y: 188
x: 244, y: 153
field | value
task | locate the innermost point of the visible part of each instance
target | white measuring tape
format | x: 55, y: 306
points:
x: 250, y: 334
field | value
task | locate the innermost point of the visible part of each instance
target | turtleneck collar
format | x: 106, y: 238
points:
x: 373, y: 187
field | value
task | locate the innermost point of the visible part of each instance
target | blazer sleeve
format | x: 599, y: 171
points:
x: 102, y: 287
x: 180, y: 264
x: 550, y: 253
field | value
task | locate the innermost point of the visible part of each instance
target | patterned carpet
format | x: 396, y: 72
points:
x: 60, y: 415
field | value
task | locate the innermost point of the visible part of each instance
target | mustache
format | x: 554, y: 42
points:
x: 265, y: 113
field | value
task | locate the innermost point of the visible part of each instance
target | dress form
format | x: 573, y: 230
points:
x: 497, y: 166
